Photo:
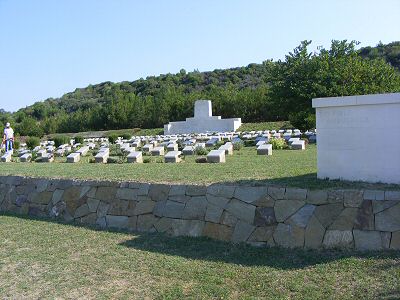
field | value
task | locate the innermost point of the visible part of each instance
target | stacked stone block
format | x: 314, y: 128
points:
x: 259, y: 215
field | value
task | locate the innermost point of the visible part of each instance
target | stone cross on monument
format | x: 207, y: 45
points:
x: 203, y: 121
x: 202, y: 109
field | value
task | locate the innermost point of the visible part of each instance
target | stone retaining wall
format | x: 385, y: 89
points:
x: 260, y: 215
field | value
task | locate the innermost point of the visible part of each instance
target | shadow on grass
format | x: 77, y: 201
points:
x: 389, y: 295
x: 307, y: 181
x: 203, y: 248
x: 246, y: 255
x: 310, y: 181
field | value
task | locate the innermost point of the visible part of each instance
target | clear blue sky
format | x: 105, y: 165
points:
x: 51, y: 47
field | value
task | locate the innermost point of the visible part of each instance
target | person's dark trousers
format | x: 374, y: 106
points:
x: 9, y: 145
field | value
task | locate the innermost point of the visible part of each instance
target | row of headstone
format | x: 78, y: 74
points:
x: 173, y: 155
x: 156, y: 145
x: 189, y: 139
x: 212, y: 139
x: 75, y: 157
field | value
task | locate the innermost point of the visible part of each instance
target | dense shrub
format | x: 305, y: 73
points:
x: 249, y: 143
x: 302, y: 120
x: 61, y: 140
x: 16, y: 145
x: 32, y: 142
x: 115, y: 150
x: 180, y: 144
x: 201, y: 151
x: 34, y: 156
x: 112, y: 138
x: 278, y: 143
x: 78, y: 139
x: 237, y: 146
x: 218, y: 144
x: 112, y: 160
x: 126, y: 136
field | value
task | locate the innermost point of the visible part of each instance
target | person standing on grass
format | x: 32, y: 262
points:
x: 8, y: 137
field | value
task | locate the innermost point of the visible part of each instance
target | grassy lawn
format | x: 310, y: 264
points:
x: 289, y: 167
x: 41, y: 259
x: 265, y: 126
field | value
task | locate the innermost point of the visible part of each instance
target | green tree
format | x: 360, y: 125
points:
x: 339, y: 71
x: 29, y: 126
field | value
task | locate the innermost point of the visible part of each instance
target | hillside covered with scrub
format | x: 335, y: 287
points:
x: 270, y: 91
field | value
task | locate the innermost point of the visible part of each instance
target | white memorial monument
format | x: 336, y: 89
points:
x: 203, y: 121
x: 359, y: 138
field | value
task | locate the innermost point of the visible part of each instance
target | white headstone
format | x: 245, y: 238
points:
x: 216, y: 156
x: 298, y: 145
x: 147, y: 147
x: 158, y: 151
x: 264, y: 149
x: 48, y: 157
x: 188, y: 150
x: 293, y: 139
x: 172, y: 147
x: 172, y: 157
x: 135, y: 157
x: 26, y: 157
x: 6, y: 157
x: 102, y: 156
x: 59, y: 152
x: 83, y: 150
x: 73, y: 157
x: 228, y: 148
x: 42, y: 153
